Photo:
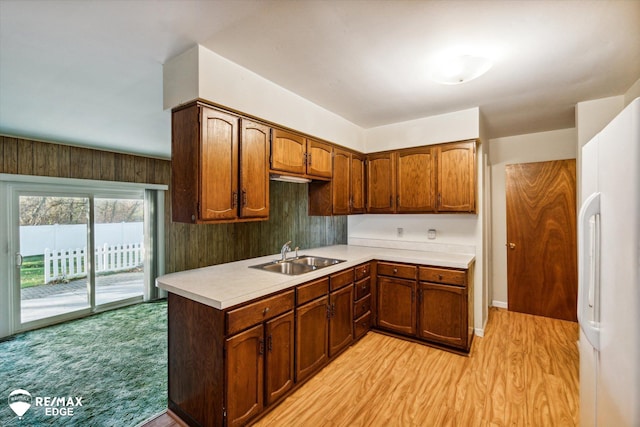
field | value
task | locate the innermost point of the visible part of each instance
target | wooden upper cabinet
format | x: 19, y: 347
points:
x: 288, y: 152
x: 219, y: 166
x: 344, y: 194
x: 381, y: 183
x: 319, y: 156
x: 456, y: 186
x: 341, y: 182
x: 415, y: 183
x: 295, y: 154
x: 357, y: 183
x: 254, y: 170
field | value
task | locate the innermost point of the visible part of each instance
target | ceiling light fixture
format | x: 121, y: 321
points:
x: 456, y: 69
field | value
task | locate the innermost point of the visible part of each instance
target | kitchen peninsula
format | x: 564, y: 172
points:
x: 241, y: 339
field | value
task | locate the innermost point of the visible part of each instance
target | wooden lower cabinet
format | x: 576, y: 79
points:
x: 341, y: 319
x: 396, y: 306
x: 312, y: 337
x: 226, y: 367
x: 259, y: 368
x: 279, y: 357
x: 442, y: 313
x: 245, y: 375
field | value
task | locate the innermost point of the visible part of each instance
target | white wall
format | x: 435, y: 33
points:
x: 632, y: 93
x: 201, y: 73
x: 535, y: 147
x: 455, y: 126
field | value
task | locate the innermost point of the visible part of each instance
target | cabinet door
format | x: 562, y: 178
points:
x: 396, y: 305
x: 381, y: 183
x: 244, y: 375
x: 442, y: 314
x: 218, y: 165
x: 457, y: 177
x: 312, y: 337
x: 357, y: 184
x: 319, y: 159
x: 340, y: 182
x: 288, y: 152
x: 254, y: 170
x: 279, y: 356
x: 341, y: 321
x: 415, y: 180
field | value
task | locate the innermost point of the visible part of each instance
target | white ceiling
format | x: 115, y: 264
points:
x: 90, y: 72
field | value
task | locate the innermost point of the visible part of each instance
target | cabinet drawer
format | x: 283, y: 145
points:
x: 362, y: 306
x: 312, y: 290
x: 362, y: 325
x: 363, y: 288
x: 259, y: 311
x: 341, y: 279
x: 363, y: 271
x: 403, y: 271
x: 443, y: 275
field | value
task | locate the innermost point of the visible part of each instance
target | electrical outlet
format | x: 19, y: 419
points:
x: 400, y: 231
x: 431, y: 234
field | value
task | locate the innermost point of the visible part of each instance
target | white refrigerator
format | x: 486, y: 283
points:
x: 609, y: 274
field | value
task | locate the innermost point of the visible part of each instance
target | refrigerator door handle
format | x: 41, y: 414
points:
x: 587, y: 282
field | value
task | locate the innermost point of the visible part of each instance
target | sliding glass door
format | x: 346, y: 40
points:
x: 119, y: 249
x: 53, y: 270
x: 76, y: 253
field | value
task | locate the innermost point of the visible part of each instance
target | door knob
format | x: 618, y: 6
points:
x: 511, y: 245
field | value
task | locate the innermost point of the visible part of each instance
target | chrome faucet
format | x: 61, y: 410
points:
x: 283, y: 252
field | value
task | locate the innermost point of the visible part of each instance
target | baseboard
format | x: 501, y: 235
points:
x: 499, y: 304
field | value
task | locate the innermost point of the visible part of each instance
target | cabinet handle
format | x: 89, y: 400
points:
x: 420, y: 295
x: 395, y: 270
x: 333, y: 309
x: 270, y: 343
x: 265, y: 311
x: 390, y: 201
x: 328, y: 311
x: 234, y: 199
x: 398, y: 200
x: 244, y: 197
x: 304, y: 158
x: 364, y: 286
x: 309, y: 159
x: 439, y: 199
x: 261, y: 347
x: 440, y: 277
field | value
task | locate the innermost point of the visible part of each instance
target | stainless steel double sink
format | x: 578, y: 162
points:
x: 299, y: 265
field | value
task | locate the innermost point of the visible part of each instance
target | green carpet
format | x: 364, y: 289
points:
x: 114, y: 362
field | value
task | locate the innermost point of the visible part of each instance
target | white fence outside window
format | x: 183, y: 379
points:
x: 72, y: 263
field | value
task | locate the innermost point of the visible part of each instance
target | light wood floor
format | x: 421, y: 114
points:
x: 523, y: 372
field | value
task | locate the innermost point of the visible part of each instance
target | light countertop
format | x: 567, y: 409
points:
x: 225, y: 285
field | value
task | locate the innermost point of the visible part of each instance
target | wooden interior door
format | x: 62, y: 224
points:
x: 541, y: 249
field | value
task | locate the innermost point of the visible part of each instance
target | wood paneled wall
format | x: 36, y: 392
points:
x: 186, y: 246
